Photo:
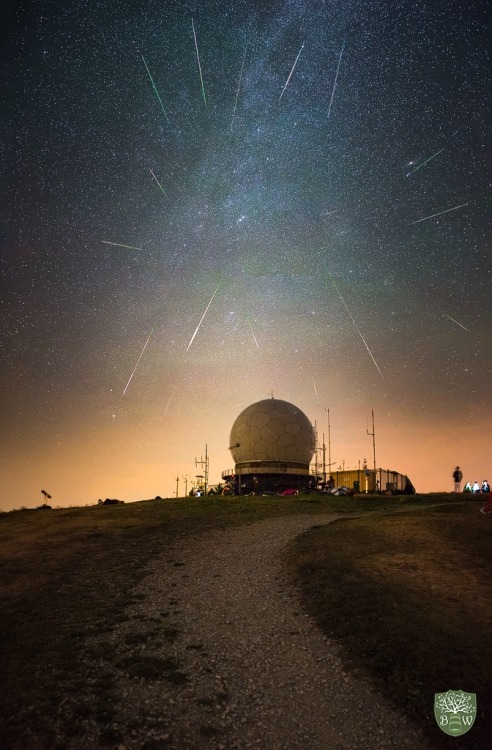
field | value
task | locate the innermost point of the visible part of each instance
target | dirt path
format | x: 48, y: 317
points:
x: 258, y: 671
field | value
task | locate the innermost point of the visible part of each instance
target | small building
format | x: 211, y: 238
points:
x: 368, y: 480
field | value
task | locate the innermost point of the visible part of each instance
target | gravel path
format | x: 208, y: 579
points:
x: 255, y: 671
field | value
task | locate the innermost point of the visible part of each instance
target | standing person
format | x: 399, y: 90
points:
x: 457, y: 476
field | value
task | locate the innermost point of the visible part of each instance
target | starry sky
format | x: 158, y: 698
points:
x: 319, y: 173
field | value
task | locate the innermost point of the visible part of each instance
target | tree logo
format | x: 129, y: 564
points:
x: 455, y: 711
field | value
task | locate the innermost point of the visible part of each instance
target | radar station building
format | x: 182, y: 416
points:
x: 272, y: 443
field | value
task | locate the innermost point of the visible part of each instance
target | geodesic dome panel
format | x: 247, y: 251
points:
x: 272, y: 430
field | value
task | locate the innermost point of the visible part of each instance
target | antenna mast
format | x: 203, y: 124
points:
x: 204, y: 463
x: 373, y: 433
x: 327, y: 410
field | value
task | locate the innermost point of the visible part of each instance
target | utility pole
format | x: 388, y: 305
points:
x: 373, y: 433
x: 324, y: 459
x: 177, y: 486
x: 316, y: 450
x: 330, y: 463
x: 204, y: 463
x: 185, y: 479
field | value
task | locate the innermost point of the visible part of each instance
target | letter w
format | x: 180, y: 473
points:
x: 467, y: 720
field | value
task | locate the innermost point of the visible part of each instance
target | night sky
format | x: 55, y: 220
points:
x: 342, y: 222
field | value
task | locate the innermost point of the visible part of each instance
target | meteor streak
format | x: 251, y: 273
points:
x: 199, y: 66
x: 238, y: 87
x: 138, y: 360
x: 206, y: 310
x: 155, y: 89
x: 168, y: 403
x: 118, y: 244
x: 315, y: 389
x: 252, y: 333
x: 457, y: 322
x: 445, y: 315
x: 336, y: 78
x: 356, y: 326
x: 425, y: 162
x: 155, y: 178
x: 439, y: 213
x: 290, y: 74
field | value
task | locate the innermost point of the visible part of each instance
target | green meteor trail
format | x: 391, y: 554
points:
x: 138, y: 362
x: 238, y: 87
x: 457, y: 322
x: 118, y: 244
x: 199, y: 66
x: 252, y: 333
x: 155, y: 89
x: 206, y: 311
x: 439, y: 213
x: 292, y: 70
x: 355, y: 325
x: 155, y: 178
x: 336, y: 79
x: 425, y: 162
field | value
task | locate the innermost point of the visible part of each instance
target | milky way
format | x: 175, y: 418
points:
x: 153, y: 148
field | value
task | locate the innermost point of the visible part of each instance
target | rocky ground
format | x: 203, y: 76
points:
x: 217, y: 653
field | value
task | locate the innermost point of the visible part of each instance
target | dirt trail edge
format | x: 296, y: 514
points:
x: 236, y: 662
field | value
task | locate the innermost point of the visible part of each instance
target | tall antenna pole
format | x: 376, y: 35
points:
x: 204, y: 463
x: 324, y: 459
x: 316, y: 449
x: 373, y: 433
x: 327, y: 410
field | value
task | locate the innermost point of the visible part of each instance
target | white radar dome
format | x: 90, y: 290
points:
x: 272, y: 430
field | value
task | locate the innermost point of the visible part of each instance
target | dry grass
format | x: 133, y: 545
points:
x: 67, y: 576
x: 408, y: 596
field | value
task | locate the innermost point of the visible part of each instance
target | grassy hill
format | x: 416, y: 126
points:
x: 407, y: 593
x: 401, y: 583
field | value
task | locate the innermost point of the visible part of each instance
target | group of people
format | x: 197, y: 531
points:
x: 469, y: 487
x: 475, y: 488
